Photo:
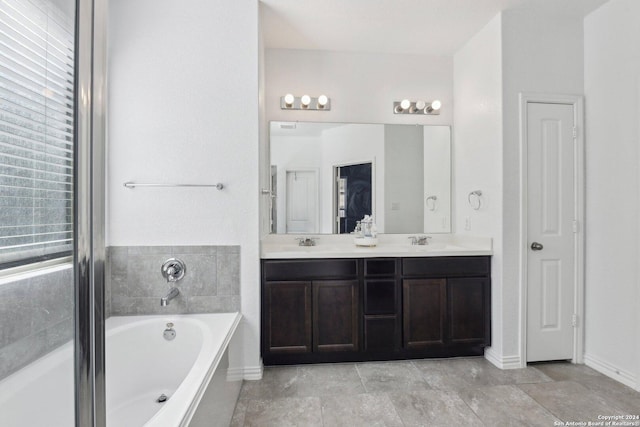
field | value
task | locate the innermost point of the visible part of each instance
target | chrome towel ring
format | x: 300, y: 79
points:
x: 475, y: 199
x: 431, y: 206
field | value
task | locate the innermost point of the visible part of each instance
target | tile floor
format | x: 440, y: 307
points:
x: 444, y: 392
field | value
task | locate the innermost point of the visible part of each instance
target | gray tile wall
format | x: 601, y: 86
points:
x: 135, y: 283
x: 36, y: 316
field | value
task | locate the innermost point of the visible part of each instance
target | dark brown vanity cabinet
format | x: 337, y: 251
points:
x: 310, y: 310
x: 331, y: 310
x: 381, y: 306
x: 446, y: 305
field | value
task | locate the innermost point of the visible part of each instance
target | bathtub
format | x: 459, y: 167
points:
x: 193, y: 371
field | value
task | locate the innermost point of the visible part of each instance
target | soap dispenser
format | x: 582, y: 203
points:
x: 358, y: 230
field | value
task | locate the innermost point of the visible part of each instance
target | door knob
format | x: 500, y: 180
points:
x: 535, y: 246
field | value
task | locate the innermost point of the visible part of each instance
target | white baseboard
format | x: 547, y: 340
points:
x: 502, y: 362
x: 606, y: 368
x: 235, y: 374
x: 252, y: 373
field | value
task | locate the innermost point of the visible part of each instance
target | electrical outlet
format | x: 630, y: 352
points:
x: 467, y: 223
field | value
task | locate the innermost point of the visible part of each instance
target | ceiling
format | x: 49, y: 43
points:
x: 425, y: 27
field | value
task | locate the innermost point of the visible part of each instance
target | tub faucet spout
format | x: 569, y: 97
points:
x: 173, y: 292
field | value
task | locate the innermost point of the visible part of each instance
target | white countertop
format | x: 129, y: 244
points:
x: 285, y: 246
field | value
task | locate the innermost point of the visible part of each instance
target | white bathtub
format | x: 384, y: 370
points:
x: 141, y: 365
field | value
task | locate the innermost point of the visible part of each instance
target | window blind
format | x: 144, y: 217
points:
x: 36, y: 131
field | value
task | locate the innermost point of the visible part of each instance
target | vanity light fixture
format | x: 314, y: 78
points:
x: 418, y: 107
x: 289, y: 99
x: 435, y: 106
x: 402, y: 107
x: 305, y: 102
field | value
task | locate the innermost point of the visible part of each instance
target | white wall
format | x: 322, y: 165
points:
x: 477, y: 151
x: 542, y: 53
x: 362, y: 86
x: 518, y: 51
x: 612, y: 88
x: 183, y: 107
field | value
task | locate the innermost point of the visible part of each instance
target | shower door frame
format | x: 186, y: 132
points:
x: 89, y: 212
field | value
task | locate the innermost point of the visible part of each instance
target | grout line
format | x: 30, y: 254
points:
x: 540, y: 403
x: 395, y: 409
x: 364, y: 387
x: 321, y: 412
x: 468, y: 406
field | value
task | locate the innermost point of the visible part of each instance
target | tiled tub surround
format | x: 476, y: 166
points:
x: 36, y: 316
x: 135, y: 284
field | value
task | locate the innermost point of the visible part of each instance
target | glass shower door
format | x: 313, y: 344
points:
x: 51, y: 213
x: 37, y: 77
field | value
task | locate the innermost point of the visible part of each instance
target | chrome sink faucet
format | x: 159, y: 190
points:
x: 306, y: 241
x: 420, y: 240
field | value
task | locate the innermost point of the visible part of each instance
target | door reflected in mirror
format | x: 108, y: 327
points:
x: 327, y: 176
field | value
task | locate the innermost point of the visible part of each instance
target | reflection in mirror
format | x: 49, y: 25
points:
x: 327, y: 176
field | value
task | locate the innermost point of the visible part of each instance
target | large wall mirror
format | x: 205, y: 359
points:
x: 327, y: 176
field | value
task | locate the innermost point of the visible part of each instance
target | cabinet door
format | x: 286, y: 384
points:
x: 381, y: 333
x: 287, y: 317
x: 423, y: 312
x: 335, y: 315
x: 469, y: 310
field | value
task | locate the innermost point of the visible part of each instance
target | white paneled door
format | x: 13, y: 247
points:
x: 551, y: 224
x: 302, y: 201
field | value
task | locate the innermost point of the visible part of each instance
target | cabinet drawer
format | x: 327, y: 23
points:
x: 379, y: 267
x: 380, y: 296
x: 446, y: 266
x: 310, y: 269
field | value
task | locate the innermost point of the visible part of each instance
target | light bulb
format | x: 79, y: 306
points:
x: 436, y: 104
x: 322, y: 100
x: 420, y: 105
x: 405, y: 104
x: 288, y: 99
x: 305, y: 100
